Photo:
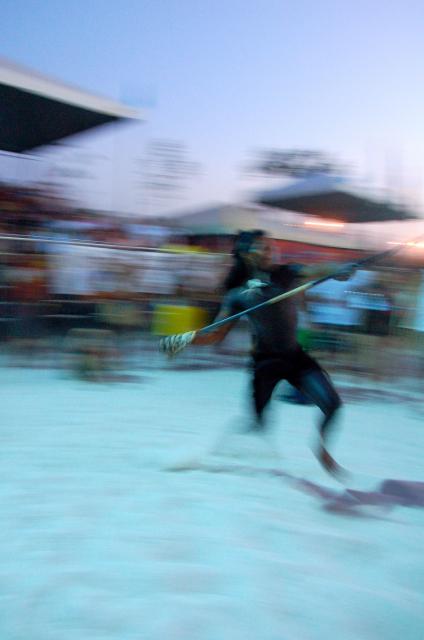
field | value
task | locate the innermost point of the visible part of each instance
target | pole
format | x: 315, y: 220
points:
x: 304, y: 287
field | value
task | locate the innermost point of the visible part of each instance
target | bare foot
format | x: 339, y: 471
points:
x: 329, y: 463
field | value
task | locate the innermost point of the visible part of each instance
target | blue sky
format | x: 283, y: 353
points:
x: 229, y: 77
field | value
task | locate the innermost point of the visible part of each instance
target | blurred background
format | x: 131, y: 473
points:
x: 129, y: 162
x: 97, y: 289
x: 136, y: 140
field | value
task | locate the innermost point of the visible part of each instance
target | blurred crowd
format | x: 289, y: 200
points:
x: 92, y: 277
x: 372, y: 324
x: 92, y: 286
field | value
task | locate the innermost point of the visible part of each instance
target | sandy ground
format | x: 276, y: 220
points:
x: 100, y: 541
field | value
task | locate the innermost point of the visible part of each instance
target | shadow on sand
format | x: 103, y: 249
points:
x: 387, y: 494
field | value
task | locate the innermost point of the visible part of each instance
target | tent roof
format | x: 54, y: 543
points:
x: 36, y: 110
x: 334, y: 198
x: 219, y: 220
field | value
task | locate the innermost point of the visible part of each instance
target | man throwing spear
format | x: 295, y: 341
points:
x: 252, y: 280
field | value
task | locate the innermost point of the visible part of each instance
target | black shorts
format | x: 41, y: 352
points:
x: 294, y: 366
x: 288, y: 365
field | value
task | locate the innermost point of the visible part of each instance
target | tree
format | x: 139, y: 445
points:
x: 295, y: 163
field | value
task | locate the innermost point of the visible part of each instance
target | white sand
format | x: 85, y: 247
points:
x: 99, y: 542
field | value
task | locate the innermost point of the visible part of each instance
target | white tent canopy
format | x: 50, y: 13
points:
x: 220, y: 219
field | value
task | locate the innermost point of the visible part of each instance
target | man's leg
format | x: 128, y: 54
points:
x: 317, y: 386
x: 266, y: 375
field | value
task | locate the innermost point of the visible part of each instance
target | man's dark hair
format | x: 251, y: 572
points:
x: 240, y: 271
